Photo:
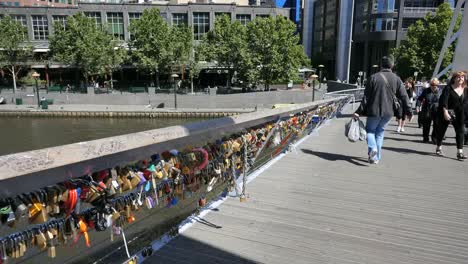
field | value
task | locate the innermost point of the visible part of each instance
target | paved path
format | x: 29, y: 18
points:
x: 326, y: 204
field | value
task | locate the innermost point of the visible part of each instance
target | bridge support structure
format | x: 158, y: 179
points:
x: 460, y: 58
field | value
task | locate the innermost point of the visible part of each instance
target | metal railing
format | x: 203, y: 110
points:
x: 355, y: 94
x: 272, y: 131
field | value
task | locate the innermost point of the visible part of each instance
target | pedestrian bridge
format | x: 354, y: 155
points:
x: 319, y: 202
x: 323, y: 203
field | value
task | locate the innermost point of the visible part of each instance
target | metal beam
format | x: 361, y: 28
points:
x: 449, y: 39
x: 460, y: 59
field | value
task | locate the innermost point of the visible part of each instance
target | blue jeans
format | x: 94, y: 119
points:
x: 375, y: 128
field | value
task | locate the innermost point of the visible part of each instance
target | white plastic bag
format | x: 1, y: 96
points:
x: 352, y: 130
x: 362, y: 131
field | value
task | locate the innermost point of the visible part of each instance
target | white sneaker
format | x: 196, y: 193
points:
x: 372, y: 156
x: 402, y: 129
x: 398, y: 129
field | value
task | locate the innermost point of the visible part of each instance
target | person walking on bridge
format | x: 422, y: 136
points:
x: 451, y: 103
x: 426, y: 107
x: 381, y: 92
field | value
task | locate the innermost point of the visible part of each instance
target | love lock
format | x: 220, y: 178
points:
x: 147, y: 251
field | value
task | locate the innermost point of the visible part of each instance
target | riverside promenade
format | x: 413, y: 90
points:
x: 323, y: 203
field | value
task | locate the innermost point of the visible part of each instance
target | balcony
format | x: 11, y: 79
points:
x: 419, y: 9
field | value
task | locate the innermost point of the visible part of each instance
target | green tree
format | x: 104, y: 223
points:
x: 151, y: 44
x: 14, y: 47
x: 194, y: 64
x: 227, y: 45
x: 84, y: 44
x: 274, y: 52
x: 420, y: 51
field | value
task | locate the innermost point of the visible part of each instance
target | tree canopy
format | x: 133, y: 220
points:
x: 420, y: 51
x: 150, y: 46
x: 14, y: 47
x: 275, y: 54
x: 227, y: 45
x: 86, y: 45
x: 266, y: 50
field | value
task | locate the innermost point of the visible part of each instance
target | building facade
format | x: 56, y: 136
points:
x: 200, y: 17
x: 327, y: 33
x: 39, y: 21
x: 381, y: 25
x: 378, y: 26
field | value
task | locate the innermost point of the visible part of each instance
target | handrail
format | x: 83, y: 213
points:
x: 56, y: 164
x: 97, y: 166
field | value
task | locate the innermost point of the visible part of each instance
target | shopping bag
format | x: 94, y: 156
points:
x: 352, y: 130
x: 362, y: 131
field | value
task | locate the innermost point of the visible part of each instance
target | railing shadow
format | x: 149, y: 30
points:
x: 337, y: 157
x: 184, y: 249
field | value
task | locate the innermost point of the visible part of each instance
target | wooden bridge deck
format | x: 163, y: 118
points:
x: 325, y: 204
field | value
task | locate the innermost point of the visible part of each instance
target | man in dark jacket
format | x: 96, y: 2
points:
x: 378, y: 106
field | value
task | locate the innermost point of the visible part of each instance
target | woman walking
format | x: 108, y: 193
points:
x: 401, y: 113
x: 426, y: 107
x: 451, y: 103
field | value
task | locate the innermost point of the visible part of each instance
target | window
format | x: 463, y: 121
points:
x: 330, y: 21
x: 243, y: 19
x: 383, y: 24
x: 131, y: 18
x: 96, y: 16
x: 60, y: 19
x: 407, y: 22
x: 179, y: 19
x: 421, y: 3
x: 219, y: 14
x: 383, y: 6
x: 40, y: 27
x: 20, y: 18
x: 262, y: 15
x: 115, y: 24
x: 201, y: 25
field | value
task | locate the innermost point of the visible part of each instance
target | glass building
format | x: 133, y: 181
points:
x: 377, y: 27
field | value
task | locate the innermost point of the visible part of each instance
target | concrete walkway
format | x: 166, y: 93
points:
x: 326, y: 204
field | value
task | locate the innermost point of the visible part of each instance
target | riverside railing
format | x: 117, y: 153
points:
x: 104, y: 200
x: 355, y: 94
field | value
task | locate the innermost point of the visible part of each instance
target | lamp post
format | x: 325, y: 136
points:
x: 320, y: 75
x: 36, y: 75
x: 314, y: 77
x: 174, y: 76
x: 374, y: 68
x: 416, y: 76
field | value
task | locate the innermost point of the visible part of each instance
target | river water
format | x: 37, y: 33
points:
x: 25, y: 133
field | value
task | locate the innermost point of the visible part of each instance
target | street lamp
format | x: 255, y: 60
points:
x: 174, y: 76
x: 416, y: 76
x: 36, y: 75
x: 320, y: 74
x: 374, y: 68
x: 314, y: 77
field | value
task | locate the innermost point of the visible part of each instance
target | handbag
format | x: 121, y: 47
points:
x: 452, y: 114
x: 396, y: 103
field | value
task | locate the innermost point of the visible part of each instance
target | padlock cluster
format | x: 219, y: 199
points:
x: 107, y: 200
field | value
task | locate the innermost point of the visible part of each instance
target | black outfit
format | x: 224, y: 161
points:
x: 378, y: 101
x: 401, y: 113
x: 450, y: 100
x: 465, y: 107
x: 428, y: 102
